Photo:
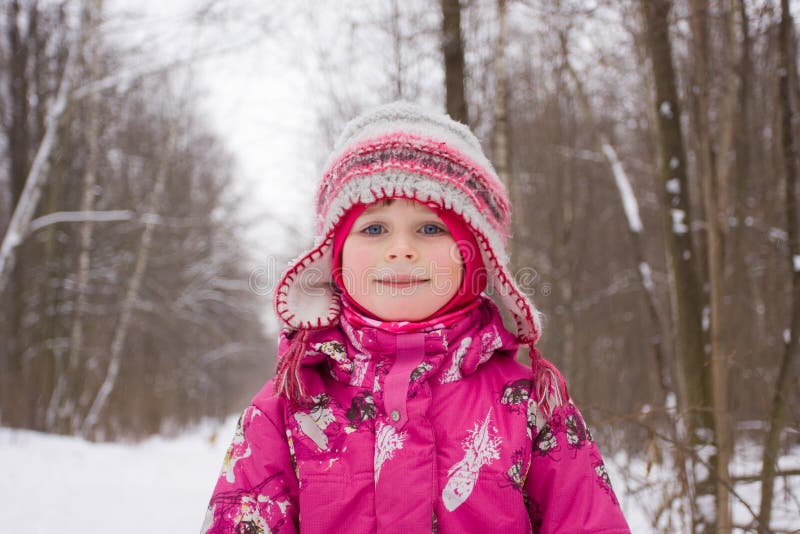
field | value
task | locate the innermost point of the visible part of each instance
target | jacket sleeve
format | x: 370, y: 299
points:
x: 568, y: 488
x: 257, y: 488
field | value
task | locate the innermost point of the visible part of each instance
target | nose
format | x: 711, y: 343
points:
x: 401, y: 247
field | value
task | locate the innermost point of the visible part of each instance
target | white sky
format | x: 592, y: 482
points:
x: 254, y: 94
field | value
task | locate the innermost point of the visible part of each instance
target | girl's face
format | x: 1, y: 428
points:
x: 400, y: 262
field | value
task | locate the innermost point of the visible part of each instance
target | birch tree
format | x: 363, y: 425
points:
x: 29, y: 196
x: 71, y: 370
x: 131, y: 296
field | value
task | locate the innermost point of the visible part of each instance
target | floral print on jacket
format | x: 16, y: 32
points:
x: 435, y: 431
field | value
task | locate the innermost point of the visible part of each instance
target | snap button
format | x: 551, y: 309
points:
x: 395, y: 415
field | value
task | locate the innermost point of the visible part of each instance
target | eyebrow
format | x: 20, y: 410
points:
x: 376, y: 207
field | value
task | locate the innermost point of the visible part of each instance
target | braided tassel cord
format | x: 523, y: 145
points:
x: 549, y: 387
x: 288, y: 383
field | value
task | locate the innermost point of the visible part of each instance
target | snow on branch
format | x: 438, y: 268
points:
x: 79, y: 216
x: 625, y: 190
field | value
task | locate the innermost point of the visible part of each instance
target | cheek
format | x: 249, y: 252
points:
x: 447, y: 260
x: 355, y: 261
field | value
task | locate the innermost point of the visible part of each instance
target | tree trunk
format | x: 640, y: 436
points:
x: 740, y: 186
x: 395, y: 30
x: 685, y: 291
x: 37, y: 175
x: 711, y: 192
x: 19, y: 126
x: 500, y: 138
x: 783, y: 388
x: 69, y: 379
x: 453, y: 48
x: 501, y: 153
x: 18, y: 135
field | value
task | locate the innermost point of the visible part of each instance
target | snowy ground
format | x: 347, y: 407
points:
x: 67, y: 485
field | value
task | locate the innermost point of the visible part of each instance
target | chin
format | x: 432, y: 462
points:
x: 398, y: 316
x: 406, y: 312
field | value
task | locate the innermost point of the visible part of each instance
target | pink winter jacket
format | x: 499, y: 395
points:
x: 434, y: 431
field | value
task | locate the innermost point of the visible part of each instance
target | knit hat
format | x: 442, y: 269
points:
x: 402, y: 151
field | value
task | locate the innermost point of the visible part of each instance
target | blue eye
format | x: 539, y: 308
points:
x: 431, y: 229
x: 373, y: 229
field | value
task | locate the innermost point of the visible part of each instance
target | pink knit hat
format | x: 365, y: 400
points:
x: 402, y: 151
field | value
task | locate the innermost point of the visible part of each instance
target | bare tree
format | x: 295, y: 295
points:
x: 29, y: 196
x: 711, y: 197
x: 453, y: 49
x: 786, y: 373
x: 501, y: 133
x: 71, y: 372
x: 131, y: 296
x: 685, y: 289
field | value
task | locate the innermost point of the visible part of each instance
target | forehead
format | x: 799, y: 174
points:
x: 397, y: 204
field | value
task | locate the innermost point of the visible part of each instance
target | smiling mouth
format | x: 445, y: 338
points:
x: 401, y: 281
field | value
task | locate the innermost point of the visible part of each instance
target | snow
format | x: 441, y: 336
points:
x: 665, y: 109
x: 777, y: 234
x: 678, y: 222
x: 641, y: 488
x: 68, y: 485
x: 79, y: 216
x: 12, y: 238
x: 629, y: 202
x: 647, y: 275
x: 673, y: 186
x: 163, y: 485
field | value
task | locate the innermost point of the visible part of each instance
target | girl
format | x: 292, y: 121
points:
x: 397, y: 404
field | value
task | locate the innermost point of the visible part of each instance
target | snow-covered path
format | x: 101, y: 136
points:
x: 67, y: 485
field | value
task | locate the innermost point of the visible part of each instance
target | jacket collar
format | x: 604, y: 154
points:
x: 452, y: 351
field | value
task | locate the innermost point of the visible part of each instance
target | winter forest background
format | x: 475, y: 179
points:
x: 156, y: 171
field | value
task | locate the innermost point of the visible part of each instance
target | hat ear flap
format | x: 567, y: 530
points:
x: 306, y: 296
x: 527, y: 317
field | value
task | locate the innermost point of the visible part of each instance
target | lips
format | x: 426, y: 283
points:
x: 401, y: 280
